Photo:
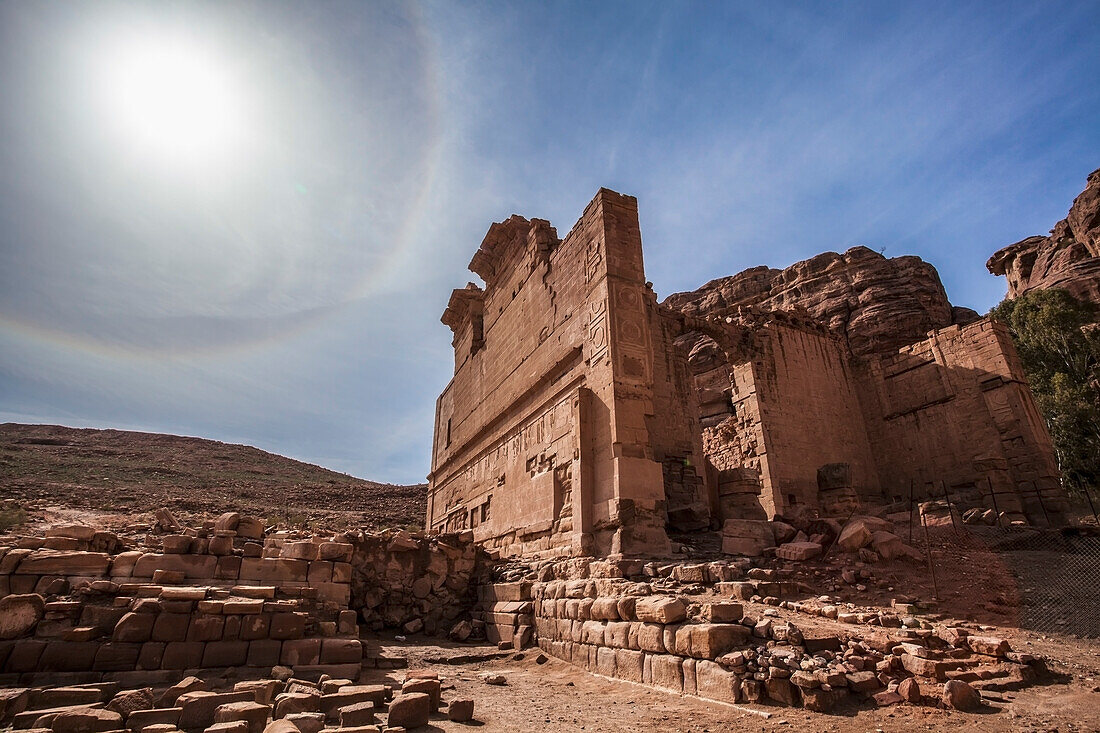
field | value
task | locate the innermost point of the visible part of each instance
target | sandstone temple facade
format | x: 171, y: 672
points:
x: 586, y: 417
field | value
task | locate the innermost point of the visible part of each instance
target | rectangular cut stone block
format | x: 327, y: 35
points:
x: 605, y: 661
x: 116, y: 656
x: 206, y: 628
x: 715, y: 683
x: 689, y: 676
x: 192, y: 566
x: 667, y: 672
x: 339, y: 551
x: 925, y: 667
x: 264, y: 652
x: 140, y: 719
x: 660, y: 610
x: 182, y: 655
x: 225, y: 654
x: 298, y: 652
x: 520, y: 591
x: 351, y: 695
x: 709, y: 641
x: 341, y: 651
x: 59, y: 656
x: 629, y: 665
x: 798, y: 551
x: 274, y: 570
x: 197, y: 708
x: 721, y: 612
x: 647, y: 637
x: 54, y: 562
x: 171, y: 627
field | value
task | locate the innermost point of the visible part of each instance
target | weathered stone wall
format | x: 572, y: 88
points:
x: 586, y: 418
x: 791, y: 419
x: 415, y: 584
x: 954, y: 412
x: 221, y: 596
x: 542, y: 439
x: 716, y: 647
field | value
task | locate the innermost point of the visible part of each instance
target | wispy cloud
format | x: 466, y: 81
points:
x: 288, y: 294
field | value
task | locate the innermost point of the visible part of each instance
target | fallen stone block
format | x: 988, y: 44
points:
x: 461, y: 711
x: 280, y: 726
x: 410, y: 710
x: 822, y: 699
x: 89, y: 720
x: 428, y: 686
x: 252, y: 713
x: 128, y: 701
x: 987, y: 645
x: 264, y: 691
x: 140, y: 720
x: 19, y: 614
x: 232, y: 726
x: 747, y: 536
x: 12, y: 702
x: 198, y: 707
x: 798, y: 551
x: 360, y: 713
x: 856, y: 534
x: 187, y: 684
x: 721, y: 612
x: 307, y: 722
x: 863, y: 682
x: 886, y: 698
x: 959, y: 695
x: 296, y: 702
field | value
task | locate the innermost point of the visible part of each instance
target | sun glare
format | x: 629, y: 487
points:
x: 173, y: 100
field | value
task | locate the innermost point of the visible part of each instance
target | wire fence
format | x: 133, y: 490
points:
x: 1050, y: 578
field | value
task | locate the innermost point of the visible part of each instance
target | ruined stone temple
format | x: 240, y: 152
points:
x: 586, y: 417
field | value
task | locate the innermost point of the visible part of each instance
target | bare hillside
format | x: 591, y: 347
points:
x: 131, y: 472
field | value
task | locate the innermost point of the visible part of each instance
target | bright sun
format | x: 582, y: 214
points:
x: 174, y: 100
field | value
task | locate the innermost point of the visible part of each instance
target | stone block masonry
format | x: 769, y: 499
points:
x: 266, y: 599
x: 548, y: 440
x: 585, y: 418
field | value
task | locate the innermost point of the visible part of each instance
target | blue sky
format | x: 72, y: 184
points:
x: 274, y: 274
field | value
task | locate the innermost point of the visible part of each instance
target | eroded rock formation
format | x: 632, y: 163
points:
x: 1068, y: 258
x: 876, y: 304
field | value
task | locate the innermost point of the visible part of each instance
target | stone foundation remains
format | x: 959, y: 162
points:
x: 79, y: 605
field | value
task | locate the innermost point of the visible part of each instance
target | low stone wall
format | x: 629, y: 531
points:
x: 415, y: 583
x: 616, y: 620
x: 79, y: 605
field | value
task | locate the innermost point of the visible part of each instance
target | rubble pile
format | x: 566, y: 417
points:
x: 278, y: 704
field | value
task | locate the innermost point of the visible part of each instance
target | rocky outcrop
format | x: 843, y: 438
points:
x: 1069, y: 258
x: 877, y: 304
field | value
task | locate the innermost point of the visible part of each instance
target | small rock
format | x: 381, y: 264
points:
x: 960, y: 696
x: 461, y: 711
x: 490, y: 678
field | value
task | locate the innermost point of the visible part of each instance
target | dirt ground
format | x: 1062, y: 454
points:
x: 555, y: 696
x: 133, y: 473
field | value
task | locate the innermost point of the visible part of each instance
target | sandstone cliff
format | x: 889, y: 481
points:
x: 1068, y: 258
x: 875, y: 303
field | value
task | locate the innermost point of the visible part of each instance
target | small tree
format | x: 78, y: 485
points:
x: 1058, y: 341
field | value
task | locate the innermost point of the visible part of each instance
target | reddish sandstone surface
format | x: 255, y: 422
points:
x: 877, y: 304
x: 1068, y: 258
